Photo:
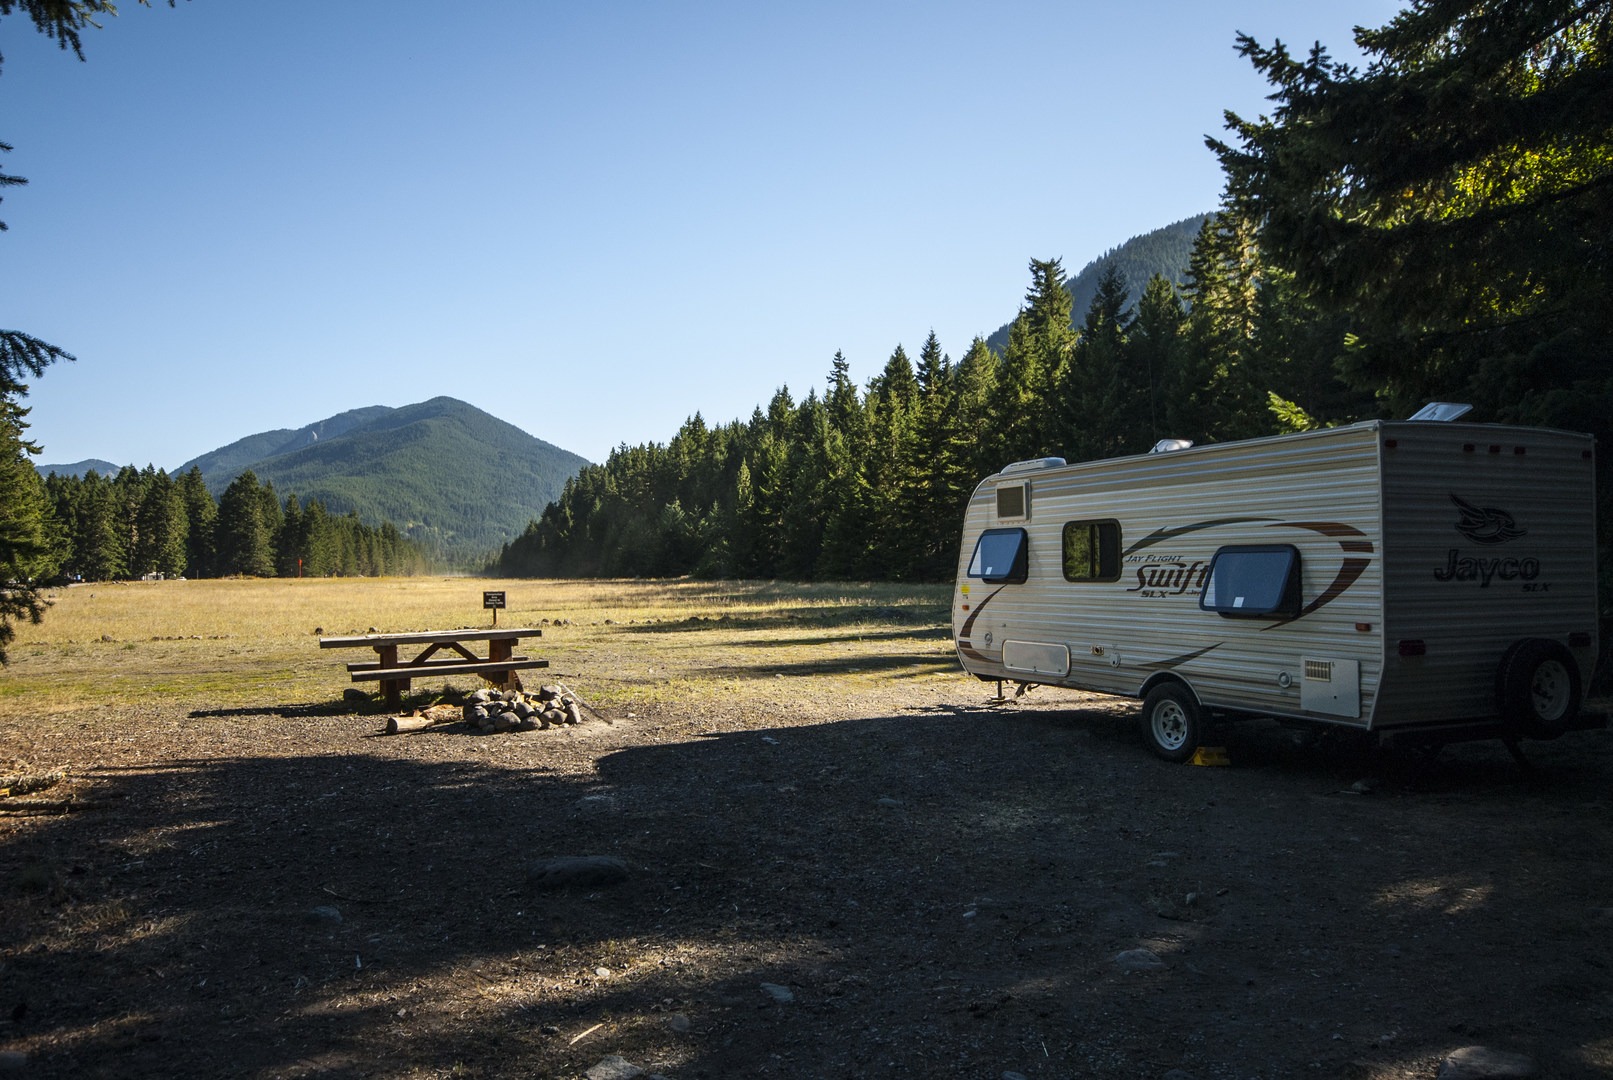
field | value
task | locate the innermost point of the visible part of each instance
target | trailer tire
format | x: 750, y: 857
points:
x: 1173, y: 724
x: 1538, y: 689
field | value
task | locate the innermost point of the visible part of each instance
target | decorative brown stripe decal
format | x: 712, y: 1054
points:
x: 968, y: 626
x: 1177, y: 661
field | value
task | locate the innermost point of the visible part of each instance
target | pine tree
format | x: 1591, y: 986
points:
x: 26, y: 548
x: 1040, y: 345
x: 319, y: 556
x: 1454, y: 200
x: 100, y: 540
x: 201, y: 514
x: 1221, y: 392
x: 291, y: 540
x: 976, y: 390
x: 804, y: 514
x: 243, y: 537
x: 846, y: 544
x: 128, y: 492
x: 1155, y: 349
x: 934, y: 482
x: 161, y: 529
x: 1100, y: 400
x: 889, y: 410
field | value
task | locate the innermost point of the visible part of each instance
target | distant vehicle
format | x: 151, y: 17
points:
x: 1416, y: 579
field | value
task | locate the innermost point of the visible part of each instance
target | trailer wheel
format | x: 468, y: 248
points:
x: 1538, y: 688
x: 1172, y: 722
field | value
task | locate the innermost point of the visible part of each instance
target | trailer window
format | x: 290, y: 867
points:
x: 1000, y: 557
x: 1253, y: 581
x: 1092, y: 551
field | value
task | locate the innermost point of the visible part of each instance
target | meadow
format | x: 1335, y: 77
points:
x: 238, y: 642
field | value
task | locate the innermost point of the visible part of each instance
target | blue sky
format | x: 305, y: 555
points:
x: 590, y: 220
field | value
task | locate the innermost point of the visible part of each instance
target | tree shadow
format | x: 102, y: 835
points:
x: 918, y: 616
x: 896, y: 663
x: 918, y: 633
x: 940, y: 894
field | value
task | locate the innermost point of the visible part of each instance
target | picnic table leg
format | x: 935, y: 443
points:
x: 500, y: 649
x: 392, y: 689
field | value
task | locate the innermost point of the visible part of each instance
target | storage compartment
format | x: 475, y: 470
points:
x: 1036, y: 658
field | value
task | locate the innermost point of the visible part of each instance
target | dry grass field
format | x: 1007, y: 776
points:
x: 839, y: 859
x: 240, y: 642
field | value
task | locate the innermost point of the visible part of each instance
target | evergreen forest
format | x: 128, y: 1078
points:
x: 143, y: 523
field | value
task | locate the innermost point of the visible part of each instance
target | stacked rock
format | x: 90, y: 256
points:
x: 514, y: 710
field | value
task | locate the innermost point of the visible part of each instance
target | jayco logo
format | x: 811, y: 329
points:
x: 1486, y: 525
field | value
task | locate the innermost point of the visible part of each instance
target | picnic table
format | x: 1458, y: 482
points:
x: 444, y: 652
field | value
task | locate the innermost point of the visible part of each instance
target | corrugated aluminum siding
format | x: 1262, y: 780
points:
x: 1121, y: 633
x: 1547, y: 493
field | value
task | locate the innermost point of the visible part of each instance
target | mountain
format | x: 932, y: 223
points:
x: 1162, y: 251
x: 232, y: 460
x: 450, y: 476
x: 79, y: 468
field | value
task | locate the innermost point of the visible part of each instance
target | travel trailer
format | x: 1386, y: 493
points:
x: 1416, y: 579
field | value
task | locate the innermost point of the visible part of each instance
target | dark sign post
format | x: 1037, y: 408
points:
x: 492, y: 601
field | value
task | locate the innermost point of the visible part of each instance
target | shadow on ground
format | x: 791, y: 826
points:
x: 939, y: 894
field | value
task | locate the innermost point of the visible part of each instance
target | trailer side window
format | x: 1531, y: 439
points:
x: 1001, y: 557
x: 1092, y: 551
x: 1253, y: 581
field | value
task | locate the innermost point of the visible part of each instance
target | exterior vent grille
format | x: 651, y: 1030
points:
x: 1319, y: 670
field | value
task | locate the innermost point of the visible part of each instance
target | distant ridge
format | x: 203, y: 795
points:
x: 232, y: 460
x: 451, y: 477
x: 79, y: 468
x: 1163, y: 251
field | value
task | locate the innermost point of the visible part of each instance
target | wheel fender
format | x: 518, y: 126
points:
x: 1159, y: 678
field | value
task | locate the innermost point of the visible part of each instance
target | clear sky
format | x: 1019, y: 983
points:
x: 591, y: 220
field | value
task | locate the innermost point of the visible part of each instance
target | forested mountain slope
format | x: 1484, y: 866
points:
x: 448, y: 475
x: 227, y: 462
x: 1163, y: 251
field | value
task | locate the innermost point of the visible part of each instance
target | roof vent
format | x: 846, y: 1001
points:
x: 1442, y: 410
x: 1165, y: 446
x: 1034, y: 463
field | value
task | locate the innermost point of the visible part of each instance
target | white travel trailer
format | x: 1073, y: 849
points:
x: 1415, y: 579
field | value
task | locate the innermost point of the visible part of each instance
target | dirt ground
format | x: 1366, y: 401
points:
x: 905, y: 882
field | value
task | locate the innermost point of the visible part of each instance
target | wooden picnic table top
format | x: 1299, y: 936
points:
x: 428, y: 637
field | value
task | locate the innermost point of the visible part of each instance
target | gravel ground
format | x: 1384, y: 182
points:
x: 837, y: 882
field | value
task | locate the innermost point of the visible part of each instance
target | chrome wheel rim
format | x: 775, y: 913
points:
x: 1550, y: 690
x: 1169, y: 721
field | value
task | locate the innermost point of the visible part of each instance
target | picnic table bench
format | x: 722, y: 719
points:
x: 394, y: 674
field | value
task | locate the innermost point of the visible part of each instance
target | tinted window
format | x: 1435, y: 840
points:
x: 1000, y: 556
x: 1253, y: 581
x: 1092, y: 551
